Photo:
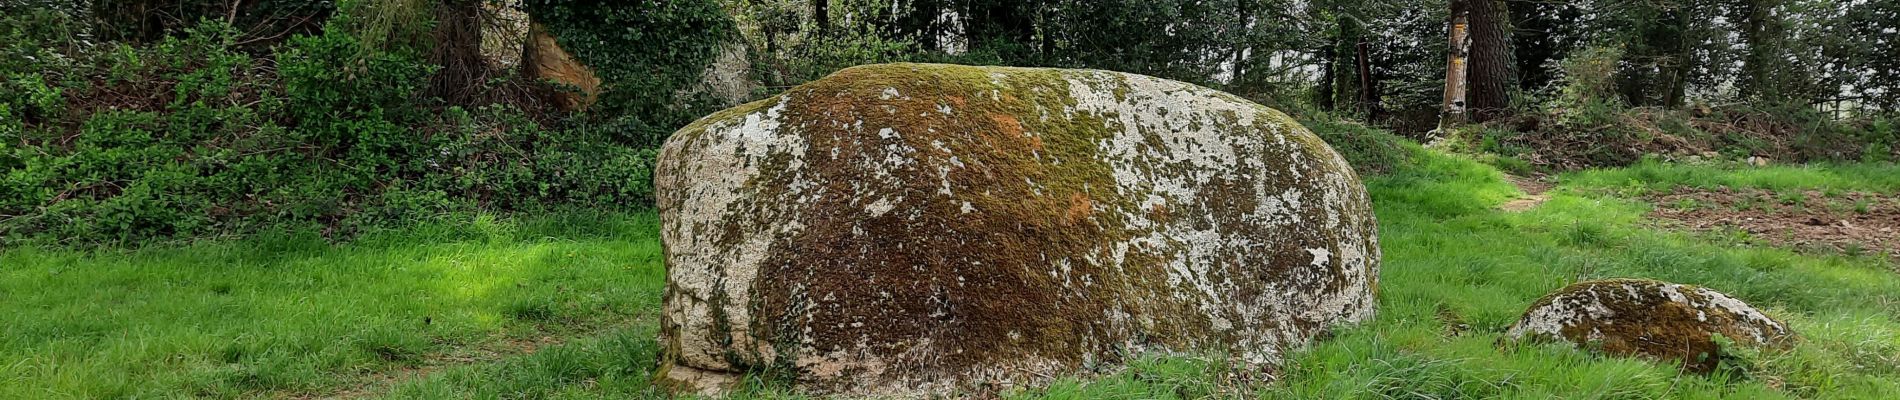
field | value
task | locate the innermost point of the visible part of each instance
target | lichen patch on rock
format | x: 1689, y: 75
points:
x: 918, y: 230
x: 1661, y: 320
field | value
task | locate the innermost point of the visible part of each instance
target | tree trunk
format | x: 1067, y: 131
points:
x: 821, y: 14
x: 542, y: 58
x: 1457, y: 48
x: 1491, y: 67
x: 1241, y: 46
x: 1368, y: 90
x: 1329, y: 57
x: 1348, y: 90
x: 1681, y: 62
x: 1761, y: 32
x: 458, y: 51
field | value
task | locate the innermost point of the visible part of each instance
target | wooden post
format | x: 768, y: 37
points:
x: 1459, y: 48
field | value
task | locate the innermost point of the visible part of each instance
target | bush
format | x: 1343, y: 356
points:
x: 649, y: 74
x: 189, y: 137
x: 821, y: 54
x: 1585, y: 124
x: 1370, y: 151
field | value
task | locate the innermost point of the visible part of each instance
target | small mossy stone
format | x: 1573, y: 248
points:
x: 1659, y: 320
x: 918, y: 230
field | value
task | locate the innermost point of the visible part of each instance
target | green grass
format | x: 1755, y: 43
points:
x: 291, y: 315
x: 1451, y: 254
x: 1652, y: 175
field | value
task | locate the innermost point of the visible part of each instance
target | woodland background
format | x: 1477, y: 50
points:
x: 125, y: 121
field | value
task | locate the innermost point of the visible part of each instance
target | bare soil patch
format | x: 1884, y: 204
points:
x: 1533, y: 188
x: 1853, y: 223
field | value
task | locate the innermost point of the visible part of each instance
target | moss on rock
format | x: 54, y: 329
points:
x: 1633, y: 317
x: 916, y: 229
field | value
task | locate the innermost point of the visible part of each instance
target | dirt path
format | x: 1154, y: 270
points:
x: 1534, y: 196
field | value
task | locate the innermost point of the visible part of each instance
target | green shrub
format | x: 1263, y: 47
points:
x: 650, y: 55
x: 1370, y: 151
x: 1884, y: 145
x: 189, y: 137
x: 821, y: 54
x: 1585, y: 123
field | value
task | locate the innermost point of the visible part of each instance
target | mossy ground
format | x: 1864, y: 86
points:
x: 1456, y: 274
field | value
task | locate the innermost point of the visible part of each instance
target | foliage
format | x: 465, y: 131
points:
x: 191, y: 137
x: 1370, y: 151
x: 1864, y: 51
x: 1405, y: 48
x: 1206, y: 42
x: 1585, y: 122
x: 1589, y: 78
x: 149, y: 21
x: 388, y: 26
x: 1247, y: 46
x: 789, y: 49
x: 337, y: 121
x: 1673, y: 55
x: 650, y: 54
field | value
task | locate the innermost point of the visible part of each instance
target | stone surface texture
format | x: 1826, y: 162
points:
x: 919, y: 230
x: 1661, y: 320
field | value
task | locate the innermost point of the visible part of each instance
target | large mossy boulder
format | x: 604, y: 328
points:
x: 918, y: 230
x: 1660, y: 320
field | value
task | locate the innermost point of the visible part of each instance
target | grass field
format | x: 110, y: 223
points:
x: 564, y: 307
x: 1884, y: 178
x: 290, y: 315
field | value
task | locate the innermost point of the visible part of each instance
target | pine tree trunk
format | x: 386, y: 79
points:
x: 1241, y: 46
x: 821, y: 14
x: 1330, y: 59
x: 1492, y: 66
x: 1457, y: 48
x: 1348, y: 89
x: 1368, y: 89
x: 1046, y: 16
